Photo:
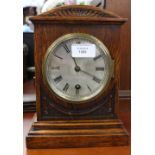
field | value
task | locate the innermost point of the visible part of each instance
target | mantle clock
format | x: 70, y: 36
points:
x: 77, y: 61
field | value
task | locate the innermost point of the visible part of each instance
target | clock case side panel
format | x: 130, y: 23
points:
x: 41, y: 45
x: 37, y: 59
x: 47, y: 33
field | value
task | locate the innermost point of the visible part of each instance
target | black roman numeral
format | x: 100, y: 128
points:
x: 58, y: 79
x: 66, y: 48
x: 57, y: 56
x: 96, y: 79
x: 89, y: 88
x: 66, y: 87
x: 99, y: 68
x: 55, y: 67
x: 77, y: 91
x: 97, y: 57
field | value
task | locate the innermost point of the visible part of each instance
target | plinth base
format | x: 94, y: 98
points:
x: 78, y: 133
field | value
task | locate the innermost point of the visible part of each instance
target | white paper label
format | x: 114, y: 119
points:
x: 83, y: 50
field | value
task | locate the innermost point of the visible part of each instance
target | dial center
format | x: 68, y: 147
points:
x: 77, y: 68
x: 77, y: 86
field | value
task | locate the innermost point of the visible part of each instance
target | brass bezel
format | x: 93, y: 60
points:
x: 66, y: 37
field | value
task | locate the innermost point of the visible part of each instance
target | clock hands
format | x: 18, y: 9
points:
x: 78, y: 68
x: 68, y: 51
x: 96, y: 79
x: 75, y: 62
x: 89, y: 74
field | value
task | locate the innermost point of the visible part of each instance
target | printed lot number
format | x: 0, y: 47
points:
x: 83, y: 51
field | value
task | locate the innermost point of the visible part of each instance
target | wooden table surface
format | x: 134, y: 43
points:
x: 125, y: 150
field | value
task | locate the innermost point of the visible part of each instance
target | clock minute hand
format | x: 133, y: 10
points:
x: 96, y: 79
x: 87, y: 73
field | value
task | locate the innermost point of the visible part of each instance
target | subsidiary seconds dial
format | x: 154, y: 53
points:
x: 77, y: 79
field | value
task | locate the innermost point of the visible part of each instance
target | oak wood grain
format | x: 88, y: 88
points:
x: 124, y: 150
x: 123, y: 8
x: 48, y: 27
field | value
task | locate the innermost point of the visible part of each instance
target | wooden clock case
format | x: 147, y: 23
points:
x: 62, y: 124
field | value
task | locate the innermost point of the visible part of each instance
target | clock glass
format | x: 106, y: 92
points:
x: 77, y: 67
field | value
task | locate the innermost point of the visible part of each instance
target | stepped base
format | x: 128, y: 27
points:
x: 79, y: 133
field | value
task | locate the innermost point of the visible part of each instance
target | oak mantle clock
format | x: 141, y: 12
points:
x: 77, y: 61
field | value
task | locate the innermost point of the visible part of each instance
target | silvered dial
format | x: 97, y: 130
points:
x: 74, y: 78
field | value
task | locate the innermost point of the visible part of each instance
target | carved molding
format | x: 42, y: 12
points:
x: 30, y: 105
x: 78, y: 12
x: 104, y: 107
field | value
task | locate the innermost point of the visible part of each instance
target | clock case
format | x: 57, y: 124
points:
x: 59, y: 123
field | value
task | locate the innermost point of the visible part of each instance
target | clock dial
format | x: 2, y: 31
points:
x: 76, y: 78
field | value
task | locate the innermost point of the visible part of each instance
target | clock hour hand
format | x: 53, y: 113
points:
x: 75, y: 62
